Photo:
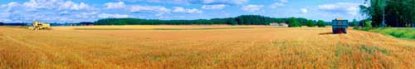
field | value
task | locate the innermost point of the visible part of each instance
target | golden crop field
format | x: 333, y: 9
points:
x: 200, y: 47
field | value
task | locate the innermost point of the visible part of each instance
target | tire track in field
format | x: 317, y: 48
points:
x: 23, y: 52
x: 1, y: 36
x: 46, y: 53
x: 33, y: 47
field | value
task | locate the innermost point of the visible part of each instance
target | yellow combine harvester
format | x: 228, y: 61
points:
x: 40, y: 26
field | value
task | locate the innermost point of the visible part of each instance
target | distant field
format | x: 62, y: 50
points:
x: 200, y: 47
x: 159, y: 27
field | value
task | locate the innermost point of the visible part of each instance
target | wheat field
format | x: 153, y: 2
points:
x: 200, y: 47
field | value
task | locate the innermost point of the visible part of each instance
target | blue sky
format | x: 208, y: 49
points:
x: 62, y: 11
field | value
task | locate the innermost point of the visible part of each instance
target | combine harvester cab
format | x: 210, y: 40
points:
x: 40, y: 26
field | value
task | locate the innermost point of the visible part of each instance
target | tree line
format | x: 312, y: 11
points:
x: 13, y: 24
x: 392, y: 13
x: 240, y: 20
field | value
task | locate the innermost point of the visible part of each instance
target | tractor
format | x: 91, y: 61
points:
x: 340, y: 26
x: 40, y: 26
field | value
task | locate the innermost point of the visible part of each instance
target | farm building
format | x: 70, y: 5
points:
x: 339, y: 26
x: 279, y: 24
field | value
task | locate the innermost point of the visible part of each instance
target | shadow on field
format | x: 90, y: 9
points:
x: 326, y: 33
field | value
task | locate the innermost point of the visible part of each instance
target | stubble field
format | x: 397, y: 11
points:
x: 200, y: 47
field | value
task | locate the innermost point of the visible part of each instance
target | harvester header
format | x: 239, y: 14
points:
x: 37, y: 25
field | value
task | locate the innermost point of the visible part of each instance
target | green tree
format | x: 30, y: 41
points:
x: 293, y: 22
x: 395, y: 13
x: 310, y: 23
x: 232, y: 22
x: 400, y: 13
x: 368, y: 24
x: 354, y: 23
x: 320, y: 23
x: 375, y: 11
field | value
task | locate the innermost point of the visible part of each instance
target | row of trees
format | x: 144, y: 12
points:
x: 240, y: 20
x: 293, y: 22
x: 12, y: 24
x: 394, y: 13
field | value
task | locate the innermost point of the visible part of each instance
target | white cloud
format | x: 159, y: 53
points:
x: 162, y: 10
x: 341, y: 7
x: 214, y: 7
x: 304, y: 10
x: 46, y: 10
x: 11, y: 4
x: 208, y: 1
x: 179, y: 9
x: 237, y: 2
x: 233, y: 2
x: 39, y: 4
x: 73, y: 6
x: 3, y: 17
x: 192, y: 11
x: 252, y: 8
x: 204, y: 2
x: 105, y: 15
x: 159, y: 9
x: 240, y: 1
x: 283, y: 1
x: 184, y: 10
x: 115, y: 5
x: 5, y: 20
x: 85, y: 15
x: 279, y: 3
x: 56, y: 4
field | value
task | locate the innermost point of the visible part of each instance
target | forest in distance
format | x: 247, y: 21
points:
x: 240, y: 20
